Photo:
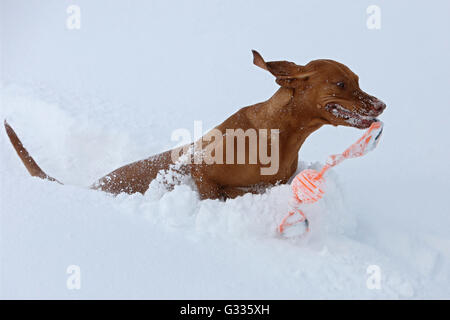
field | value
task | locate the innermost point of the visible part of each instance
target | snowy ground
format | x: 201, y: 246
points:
x: 85, y: 102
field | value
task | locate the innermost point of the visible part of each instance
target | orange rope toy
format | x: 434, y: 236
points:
x: 307, y: 186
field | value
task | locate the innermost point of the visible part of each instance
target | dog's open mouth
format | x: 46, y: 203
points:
x: 355, y: 119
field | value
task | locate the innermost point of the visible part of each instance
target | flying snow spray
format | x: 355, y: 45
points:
x: 308, y: 185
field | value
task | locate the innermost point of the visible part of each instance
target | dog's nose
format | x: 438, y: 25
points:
x: 379, y: 105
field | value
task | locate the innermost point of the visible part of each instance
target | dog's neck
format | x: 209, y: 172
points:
x: 289, y: 112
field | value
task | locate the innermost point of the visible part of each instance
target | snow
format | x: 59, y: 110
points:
x: 86, y: 102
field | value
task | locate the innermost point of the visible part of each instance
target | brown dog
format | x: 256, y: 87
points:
x: 322, y: 92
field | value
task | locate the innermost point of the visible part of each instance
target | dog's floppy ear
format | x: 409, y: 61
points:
x: 287, y: 73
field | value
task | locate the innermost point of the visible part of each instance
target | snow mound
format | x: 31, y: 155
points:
x: 172, y: 245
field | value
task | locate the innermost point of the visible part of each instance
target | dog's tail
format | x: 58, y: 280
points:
x: 27, y: 160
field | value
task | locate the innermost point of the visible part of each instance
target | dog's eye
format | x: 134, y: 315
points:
x: 341, y: 84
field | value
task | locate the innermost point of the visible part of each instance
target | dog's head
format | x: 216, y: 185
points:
x: 331, y: 89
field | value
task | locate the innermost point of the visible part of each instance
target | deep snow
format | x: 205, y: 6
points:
x: 85, y: 102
